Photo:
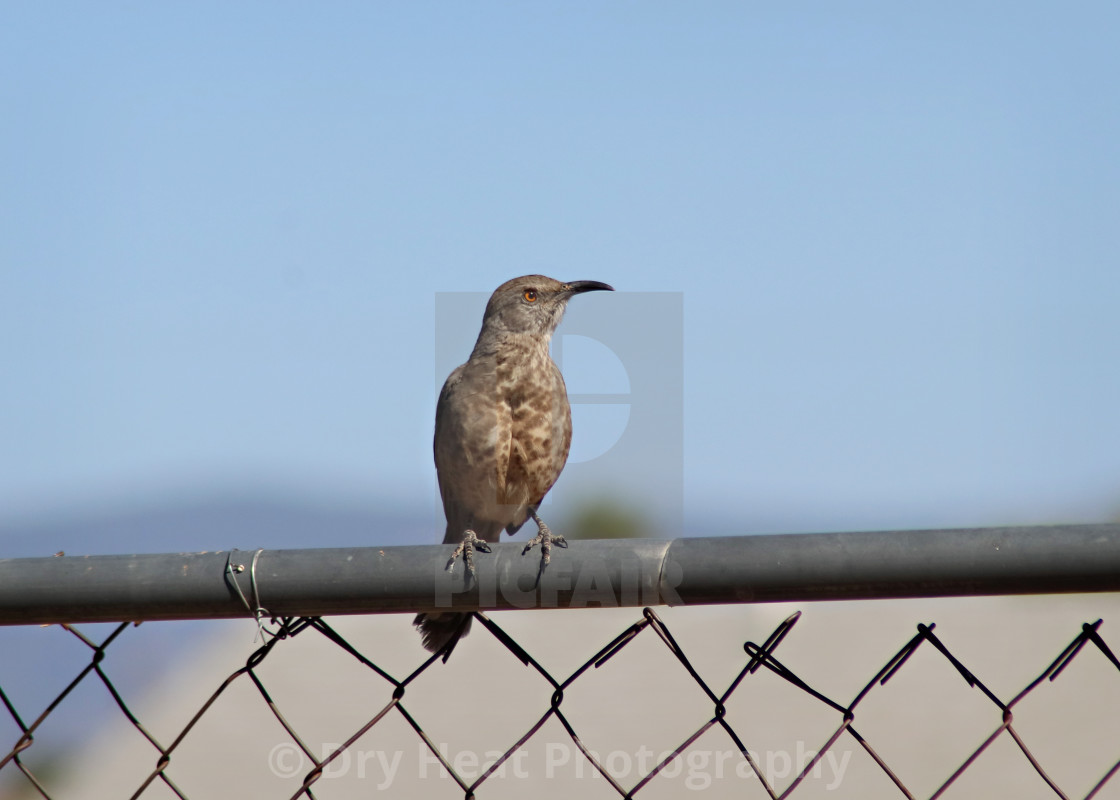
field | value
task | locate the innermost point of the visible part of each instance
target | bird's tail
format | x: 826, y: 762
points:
x: 440, y: 628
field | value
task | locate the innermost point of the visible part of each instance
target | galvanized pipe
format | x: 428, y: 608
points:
x: 615, y: 572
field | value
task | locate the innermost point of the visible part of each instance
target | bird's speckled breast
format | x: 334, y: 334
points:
x: 530, y: 383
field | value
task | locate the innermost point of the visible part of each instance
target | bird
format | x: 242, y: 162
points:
x: 502, y: 433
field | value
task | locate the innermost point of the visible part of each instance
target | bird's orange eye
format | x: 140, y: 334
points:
x: 530, y: 295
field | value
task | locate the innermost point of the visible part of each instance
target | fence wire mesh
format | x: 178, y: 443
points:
x: 758, y: 658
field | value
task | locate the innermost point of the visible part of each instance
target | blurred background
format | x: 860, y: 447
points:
x: 223, y: 228
x: 877, y: 244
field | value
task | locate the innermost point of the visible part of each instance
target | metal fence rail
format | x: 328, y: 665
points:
x: 293, y: 589
x: 630, y: 572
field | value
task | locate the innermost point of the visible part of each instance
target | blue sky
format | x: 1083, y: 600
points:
x: 893, y: 228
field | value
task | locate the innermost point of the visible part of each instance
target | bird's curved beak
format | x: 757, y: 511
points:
x: 578, y: 287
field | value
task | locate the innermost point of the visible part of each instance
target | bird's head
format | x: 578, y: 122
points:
x: 533, y: 304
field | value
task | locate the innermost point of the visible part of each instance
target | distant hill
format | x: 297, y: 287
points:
x: 217, y: 524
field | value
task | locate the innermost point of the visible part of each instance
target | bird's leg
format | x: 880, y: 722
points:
x: 466, y: 548
x: 545, y: 538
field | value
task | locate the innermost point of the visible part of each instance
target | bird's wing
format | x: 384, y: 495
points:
x: 472, y: 451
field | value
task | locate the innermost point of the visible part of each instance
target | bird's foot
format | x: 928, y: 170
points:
x: 545, y: 538
x: 466, y: 548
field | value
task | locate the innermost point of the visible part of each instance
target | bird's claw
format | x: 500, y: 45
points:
x: 545, y: 538
x: 466, y: 548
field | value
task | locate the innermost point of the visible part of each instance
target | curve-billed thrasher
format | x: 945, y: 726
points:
x: 503, y: 428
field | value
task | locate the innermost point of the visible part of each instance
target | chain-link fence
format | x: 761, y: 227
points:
x: 714, y: 732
